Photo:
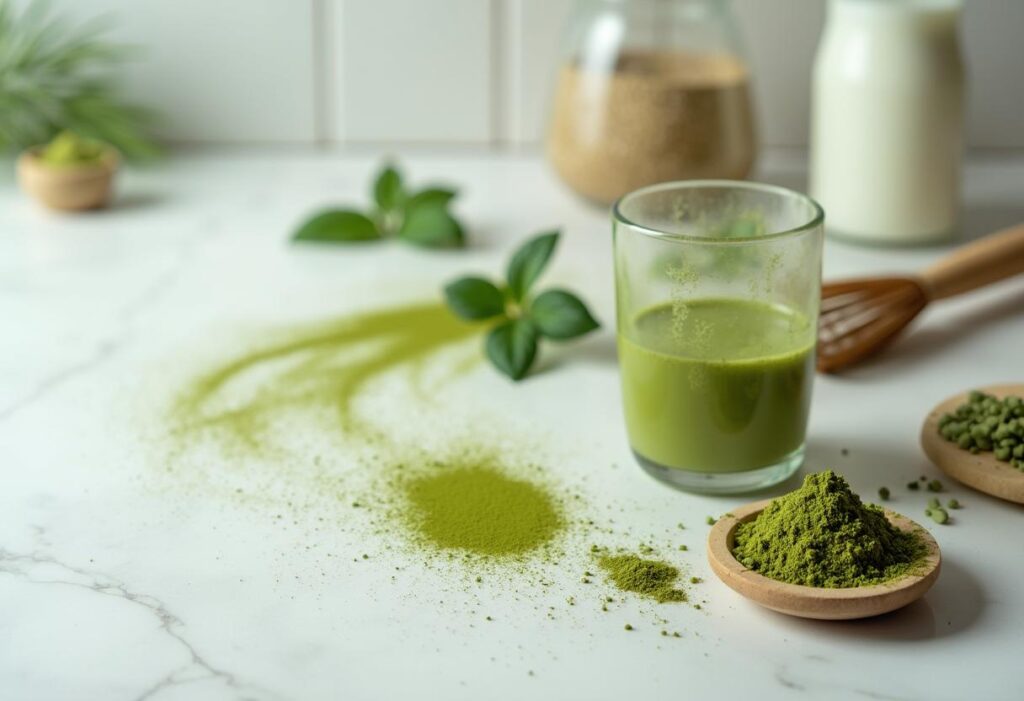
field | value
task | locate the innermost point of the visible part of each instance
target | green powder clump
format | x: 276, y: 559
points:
x: 481, y: 510
x: 822, y: 535
x: 70, y: 149
x: 653, y: 579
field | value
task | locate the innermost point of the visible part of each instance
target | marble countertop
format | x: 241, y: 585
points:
x: 127, y: 574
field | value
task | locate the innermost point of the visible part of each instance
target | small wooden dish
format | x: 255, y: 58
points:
x: 68, y: 187
x: 818, y: 602
x: 981, y: 471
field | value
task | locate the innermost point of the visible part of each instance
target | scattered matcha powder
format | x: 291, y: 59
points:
x: 652, y: 579
x: 476, y: 506
x: 316, y: 367
x: 822, y: 535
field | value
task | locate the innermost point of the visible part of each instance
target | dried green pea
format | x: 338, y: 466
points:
x: 883, y: 494
x: 953, y: 504
x: 939, y: 515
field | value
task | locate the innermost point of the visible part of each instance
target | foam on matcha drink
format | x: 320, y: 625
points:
x: 716, y: 385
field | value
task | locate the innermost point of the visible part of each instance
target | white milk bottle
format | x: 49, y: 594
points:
x: 887, y: 121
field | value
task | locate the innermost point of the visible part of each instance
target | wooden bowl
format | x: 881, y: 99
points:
x: 68, y: 187
x: 981, y: 471
x: 818, y: 602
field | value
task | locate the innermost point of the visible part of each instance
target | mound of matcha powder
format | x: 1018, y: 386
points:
x: 653, y: 579
x: 822, y: 535
x: 481, y: 510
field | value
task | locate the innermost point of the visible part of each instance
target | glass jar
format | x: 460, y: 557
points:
x: 887, y: 120
x: 650, y: 91
x: 717, y: 287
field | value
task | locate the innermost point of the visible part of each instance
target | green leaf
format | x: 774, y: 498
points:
x: 337, y: 225
x: 432, y: 226
x: 474, y: 298
x: 387, y: 189
x: 561, y: 315
x: 512, y: 347
x: 529, y: 262
x: 431, y: 195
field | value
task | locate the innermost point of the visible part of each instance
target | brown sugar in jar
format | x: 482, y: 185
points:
x: 656, y: 116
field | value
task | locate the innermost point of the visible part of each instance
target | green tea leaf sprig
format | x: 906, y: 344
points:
x: 420, y: 217
x: 521, y: 318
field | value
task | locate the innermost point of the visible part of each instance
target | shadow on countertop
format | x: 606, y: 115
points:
x: 952, y: 606
x: 930, y: 338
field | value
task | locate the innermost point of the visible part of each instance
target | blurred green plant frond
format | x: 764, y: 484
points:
x: 56, y: 74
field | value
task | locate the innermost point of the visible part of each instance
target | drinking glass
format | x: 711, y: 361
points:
x: 717, y: 293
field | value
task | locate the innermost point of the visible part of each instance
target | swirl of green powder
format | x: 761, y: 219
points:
x: 822, y: 535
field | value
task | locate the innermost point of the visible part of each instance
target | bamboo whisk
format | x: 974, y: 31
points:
x: 859, y: 317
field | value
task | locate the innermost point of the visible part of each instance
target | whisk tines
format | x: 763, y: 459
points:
x: 859, y: 317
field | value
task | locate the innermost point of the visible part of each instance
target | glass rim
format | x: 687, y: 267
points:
x: 816, y: 220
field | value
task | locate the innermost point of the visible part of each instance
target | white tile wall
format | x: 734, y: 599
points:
x: 410, y: 70
x: 532, y: 49
x: 218, y: 70
x: 466, y: 71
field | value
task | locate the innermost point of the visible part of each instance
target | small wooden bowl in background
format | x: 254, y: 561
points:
x: 818, y: 602
x: 981, y: 471
x: 68, y: 187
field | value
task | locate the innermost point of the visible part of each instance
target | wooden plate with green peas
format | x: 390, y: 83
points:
x: 982, y: 470
x: 819, y: 602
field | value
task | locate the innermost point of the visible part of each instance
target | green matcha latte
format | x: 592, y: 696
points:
x: 716, y: 385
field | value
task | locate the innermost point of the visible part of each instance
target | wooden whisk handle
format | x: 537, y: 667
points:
x: 987, y: 260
